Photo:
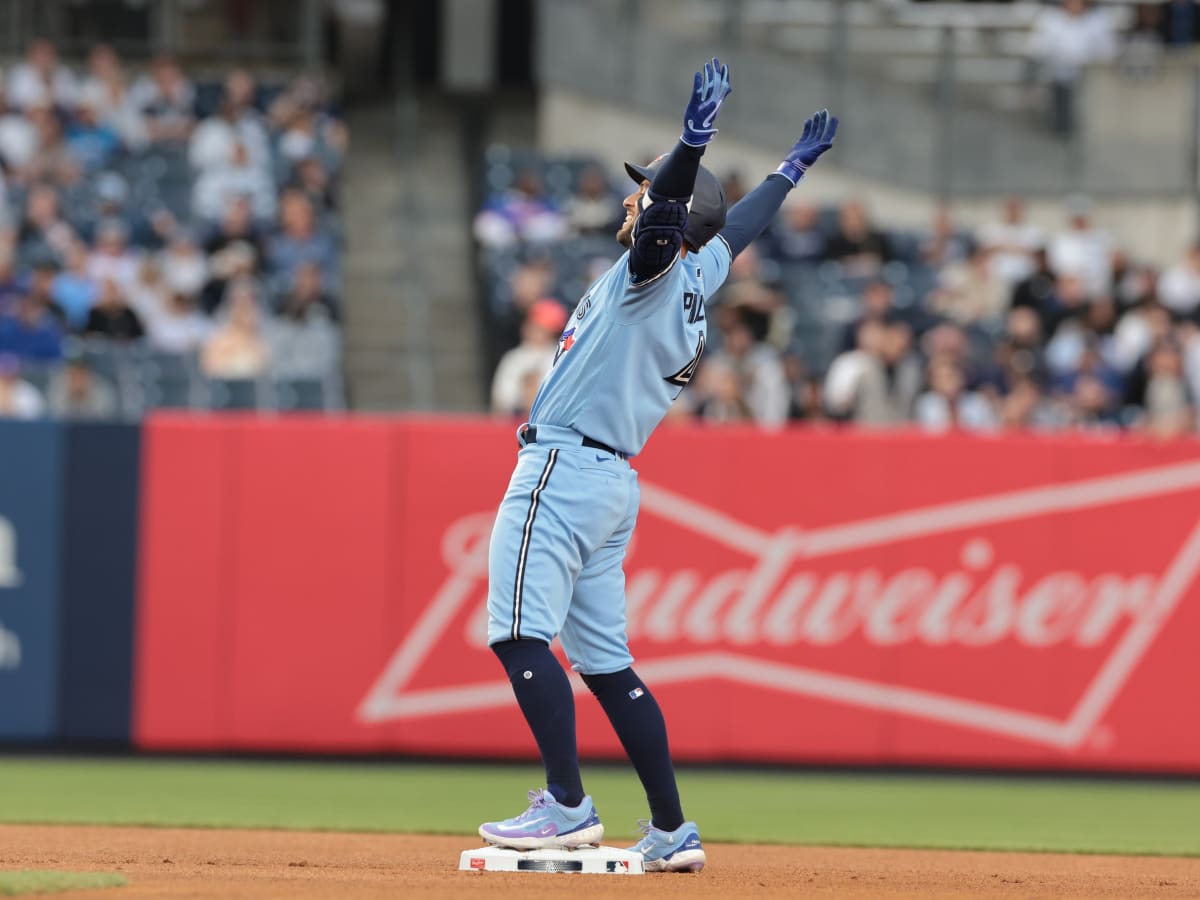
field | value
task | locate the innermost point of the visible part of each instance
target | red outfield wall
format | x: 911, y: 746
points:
x: 319, y: 585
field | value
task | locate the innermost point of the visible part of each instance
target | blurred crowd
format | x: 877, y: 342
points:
x: 153, y: 210
x: 830, y: 317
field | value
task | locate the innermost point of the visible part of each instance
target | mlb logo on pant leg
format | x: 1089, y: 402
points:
x: 635, y: 693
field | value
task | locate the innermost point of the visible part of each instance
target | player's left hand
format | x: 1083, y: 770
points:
x: 709, y: 90
x: 816, y: 138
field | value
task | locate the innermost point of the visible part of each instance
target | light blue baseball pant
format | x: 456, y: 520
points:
x: 554, y: 564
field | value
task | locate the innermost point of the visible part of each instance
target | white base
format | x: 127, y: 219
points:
x: 586, y: 860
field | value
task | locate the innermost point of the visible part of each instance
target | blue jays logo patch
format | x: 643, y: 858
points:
x: 565, y: 343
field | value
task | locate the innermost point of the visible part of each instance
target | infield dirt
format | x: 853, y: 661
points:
x: 273, y: 865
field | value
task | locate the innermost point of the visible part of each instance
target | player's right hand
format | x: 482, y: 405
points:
x: 709, y: 90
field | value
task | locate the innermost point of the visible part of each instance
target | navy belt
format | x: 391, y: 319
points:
x: 530, y: 435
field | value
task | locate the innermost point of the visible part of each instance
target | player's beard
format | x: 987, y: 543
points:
x: 625, y: 234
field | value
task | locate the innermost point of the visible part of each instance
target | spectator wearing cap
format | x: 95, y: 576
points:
x: 112, y: 317
x: 533, y: 356
x: 76, y: 392
x: 18, y: 399
x: 164, y: 100
x: 73, y: 289
x: 40, y: 80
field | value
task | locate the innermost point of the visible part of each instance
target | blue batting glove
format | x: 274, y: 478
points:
x: 816, y: 139
x: 709, y: 90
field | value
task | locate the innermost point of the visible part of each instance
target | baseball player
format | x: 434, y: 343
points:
x: 554, y: 569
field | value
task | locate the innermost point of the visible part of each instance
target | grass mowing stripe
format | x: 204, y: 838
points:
x: 29, y: 881
x: 996, y: 813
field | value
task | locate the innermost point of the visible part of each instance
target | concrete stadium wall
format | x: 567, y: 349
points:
x: 1156, y: 230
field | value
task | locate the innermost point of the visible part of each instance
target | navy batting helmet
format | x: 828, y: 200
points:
x: 706, y: 214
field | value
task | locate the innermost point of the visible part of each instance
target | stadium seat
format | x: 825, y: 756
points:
x: 239, y: 393
x: 302, y: 394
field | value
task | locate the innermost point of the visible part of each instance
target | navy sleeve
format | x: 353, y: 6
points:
x: 749, y: 216
x: 676, y: 177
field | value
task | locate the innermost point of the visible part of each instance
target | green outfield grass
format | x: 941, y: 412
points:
x: 17, y: 884
x: 994, y: 813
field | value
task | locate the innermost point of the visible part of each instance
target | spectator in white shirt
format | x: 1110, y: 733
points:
x: 1179, y: 286
x: 212, y: 144
x: 164, y: 100
x: 1063, y: 41
x: 532, y: 357
x: 218, y: 185
x: 1012, y: 243
x: 106, y: 91
x: 18, y: 398
x: 18, y: 141
x: 40, y: 80
x: 1082, y: 250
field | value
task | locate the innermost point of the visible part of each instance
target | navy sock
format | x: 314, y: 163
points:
x: 544, y: 695
x: 639, y: 723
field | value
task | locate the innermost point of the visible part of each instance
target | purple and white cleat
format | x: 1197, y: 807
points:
x: 546, y: 824
x: 670, y: 851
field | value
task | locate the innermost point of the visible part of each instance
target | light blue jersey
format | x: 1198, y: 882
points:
x: 630, y: 349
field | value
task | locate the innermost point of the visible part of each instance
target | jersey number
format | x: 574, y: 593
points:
x: 683, y: 377
x: 694, y: 305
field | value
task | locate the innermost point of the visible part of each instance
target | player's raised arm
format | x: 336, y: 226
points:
x: 658, y: 231
x: 754, y: 212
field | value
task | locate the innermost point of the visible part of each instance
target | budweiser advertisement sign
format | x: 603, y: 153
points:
x: 809, y: 597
